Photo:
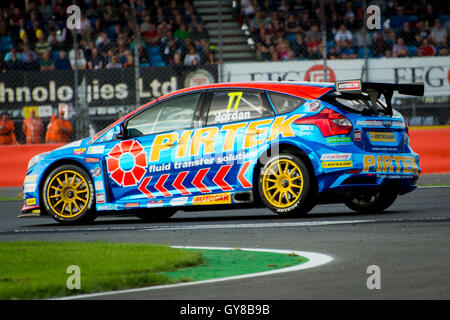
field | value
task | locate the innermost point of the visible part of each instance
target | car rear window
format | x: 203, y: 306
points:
x: 357, y: 103
x: 284, y: 103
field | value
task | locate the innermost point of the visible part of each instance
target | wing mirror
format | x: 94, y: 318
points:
x: 119, y: 131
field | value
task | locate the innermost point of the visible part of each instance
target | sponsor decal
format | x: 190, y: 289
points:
x: 131, y: 205
x: 96, y: 172
x: 29, y: 187
x: 30, y: 201
x: 179, y: 201
x: 387, y: 123
x: 334, y: 140
x: 30, y: 178
x: 91, y: 160
x: 380, y: 123
x: 107, y: 207
x: 354, y: 85
x: 126, y: 163
x: 96, y: 149
x: 357, y: 135
x: 335, y: 156
x: 381, y: 136
x: 190, y: 142
x: 369, y: 123
x: 315, y: 105
x: 221, y: 198
x: 100, y: 198
x: 155, y: 204
x: 79, y: 151
x: 98, y: 185
x: 391, y: 164
x: 337, y: 164
x: 305, y: 130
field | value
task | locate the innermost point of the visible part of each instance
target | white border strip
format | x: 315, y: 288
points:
x: 315, y: 260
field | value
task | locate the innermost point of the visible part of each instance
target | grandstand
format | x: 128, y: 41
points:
x: 251, y: 30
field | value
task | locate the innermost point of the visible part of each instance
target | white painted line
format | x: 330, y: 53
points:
x: 256, y: 225
x: 426, y: 187
x: 315, y: 260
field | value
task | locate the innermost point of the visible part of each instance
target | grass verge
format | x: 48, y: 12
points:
x: 37, y: 270
x: 2, y: 198
x: 34, y: 270
x: 227, y: 263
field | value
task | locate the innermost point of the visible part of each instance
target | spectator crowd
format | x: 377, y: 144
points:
x: 290, y: 29
x: 36, y: 37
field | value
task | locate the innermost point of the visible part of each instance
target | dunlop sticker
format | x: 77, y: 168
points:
x: 337, y: 164
x: 381, y: 136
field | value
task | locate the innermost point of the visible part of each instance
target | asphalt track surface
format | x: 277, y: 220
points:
x: 410, y: 243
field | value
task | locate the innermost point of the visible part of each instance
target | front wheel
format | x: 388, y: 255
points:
x: 373, y: 202
x: 68, y: 195
x: 285, y: 186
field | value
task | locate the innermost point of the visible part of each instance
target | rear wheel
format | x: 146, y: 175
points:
x: 372, y: 202
x: 68, y: 195
x: 153, y: 215
x: 285, y: 186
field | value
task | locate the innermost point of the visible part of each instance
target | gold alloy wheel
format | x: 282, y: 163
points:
x: 68, y: 194
x: 282, y: 183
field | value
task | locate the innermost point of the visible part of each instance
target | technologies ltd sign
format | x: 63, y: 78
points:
x: 107, y: 87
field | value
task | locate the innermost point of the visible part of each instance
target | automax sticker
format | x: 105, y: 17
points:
x: 221, y: 198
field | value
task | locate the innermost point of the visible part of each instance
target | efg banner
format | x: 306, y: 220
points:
x: 102, y: 89
x: 433, y: 71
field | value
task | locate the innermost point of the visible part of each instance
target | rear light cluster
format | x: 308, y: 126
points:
x: 329, y: 122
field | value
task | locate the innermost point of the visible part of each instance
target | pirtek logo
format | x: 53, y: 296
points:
x: 391, y: 164
x: 256, y: 133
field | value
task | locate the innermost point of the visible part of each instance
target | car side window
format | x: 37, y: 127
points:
x: 284, y: 103
x: 236, y: 105
x: 176, y: 113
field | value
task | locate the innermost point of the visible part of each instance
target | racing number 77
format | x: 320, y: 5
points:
x: 230, y: 101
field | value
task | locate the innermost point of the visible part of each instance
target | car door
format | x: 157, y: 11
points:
x: 139, y: 167
x: 241, y: 118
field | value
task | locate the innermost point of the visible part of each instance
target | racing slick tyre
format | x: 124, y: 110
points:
x: 153, y: 215
x: 285, y: 186
x: 68, y: 195
x: 371, y: 203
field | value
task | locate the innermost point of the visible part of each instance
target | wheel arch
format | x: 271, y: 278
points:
x: 284, y: 147
x: 54, y: 165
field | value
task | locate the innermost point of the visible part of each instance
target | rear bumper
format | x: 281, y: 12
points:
x: 372, y: 171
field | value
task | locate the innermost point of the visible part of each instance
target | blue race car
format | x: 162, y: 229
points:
x: 284, y: 145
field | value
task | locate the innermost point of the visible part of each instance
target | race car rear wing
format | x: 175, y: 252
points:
x: 376, y: 89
